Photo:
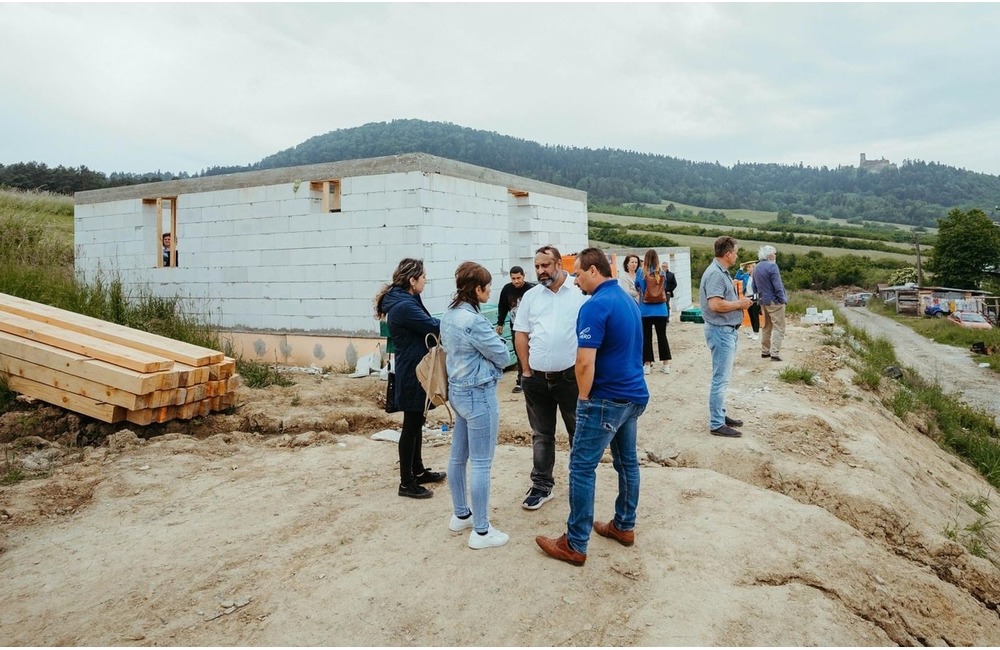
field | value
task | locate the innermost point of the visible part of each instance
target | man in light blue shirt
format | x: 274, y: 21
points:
x: 722, y: 311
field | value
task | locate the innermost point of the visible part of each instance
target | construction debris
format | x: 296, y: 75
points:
x: 106, y: 371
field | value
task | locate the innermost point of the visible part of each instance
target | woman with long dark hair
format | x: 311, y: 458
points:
x: 476, y: 359
x: 409, y: 323
x: 651, y: 284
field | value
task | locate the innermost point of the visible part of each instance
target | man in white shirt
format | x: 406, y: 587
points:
x: 545, y: 340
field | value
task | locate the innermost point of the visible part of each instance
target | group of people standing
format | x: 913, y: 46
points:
x: 583, y: 345
x: 578, y: 341
x: 651, y: 285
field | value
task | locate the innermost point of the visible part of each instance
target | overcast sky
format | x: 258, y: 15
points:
x: 181, y: 87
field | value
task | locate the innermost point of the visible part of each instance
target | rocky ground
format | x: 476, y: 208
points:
x: 831, y: 522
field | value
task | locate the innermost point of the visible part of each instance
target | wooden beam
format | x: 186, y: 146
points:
x: 70, y: 384
x: 86, y: 367
x: 192, y: 355
x: 83, y: 344
x: 100, y: 410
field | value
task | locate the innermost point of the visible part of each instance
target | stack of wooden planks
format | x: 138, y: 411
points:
x: 107, y: 371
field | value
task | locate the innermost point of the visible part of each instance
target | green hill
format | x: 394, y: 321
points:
x: 917, y: 193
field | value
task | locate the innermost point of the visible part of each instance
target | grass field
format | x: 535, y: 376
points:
x: 706, y: 242
x: 52, y: 211
x: 760, y: 216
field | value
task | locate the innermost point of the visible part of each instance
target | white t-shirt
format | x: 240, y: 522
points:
x: 549, y: 318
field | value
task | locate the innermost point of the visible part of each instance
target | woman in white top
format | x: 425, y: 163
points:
x: 627, y: 279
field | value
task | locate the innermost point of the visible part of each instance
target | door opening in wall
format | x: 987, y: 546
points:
x: 329, y: 192
x: 166, y: 234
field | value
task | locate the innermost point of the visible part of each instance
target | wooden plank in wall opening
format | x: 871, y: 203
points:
x: 192, y: 355
x: 83, y: 344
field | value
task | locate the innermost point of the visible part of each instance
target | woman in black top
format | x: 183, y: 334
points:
x: 409, y: 323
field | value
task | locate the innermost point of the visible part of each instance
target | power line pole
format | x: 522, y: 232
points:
x: 920, y: 275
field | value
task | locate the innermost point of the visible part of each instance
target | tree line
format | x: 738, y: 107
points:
x: 35, y: 176
x: 917, y: 193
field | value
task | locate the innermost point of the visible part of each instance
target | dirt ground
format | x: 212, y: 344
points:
x: 279, y: 525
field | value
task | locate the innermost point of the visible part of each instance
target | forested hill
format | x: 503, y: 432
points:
x: 917, y: 193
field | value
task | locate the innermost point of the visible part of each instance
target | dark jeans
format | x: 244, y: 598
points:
x: 411, y: 439
x: 754, y: 313
x: 663, y: 346
x: 543, y: 394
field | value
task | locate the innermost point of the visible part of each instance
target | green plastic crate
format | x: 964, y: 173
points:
x: 692, y: 315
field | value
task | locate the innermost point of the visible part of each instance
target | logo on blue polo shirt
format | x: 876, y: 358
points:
x: 584, y: 334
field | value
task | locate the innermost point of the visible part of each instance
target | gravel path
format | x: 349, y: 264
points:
x: 953, y: 368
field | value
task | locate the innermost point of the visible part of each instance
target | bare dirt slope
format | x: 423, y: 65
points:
x: 279, y: 525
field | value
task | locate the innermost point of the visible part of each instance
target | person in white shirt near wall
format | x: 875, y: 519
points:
x: 545, y: 342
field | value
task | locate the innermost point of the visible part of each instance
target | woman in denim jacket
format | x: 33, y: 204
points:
x: 476, y: 359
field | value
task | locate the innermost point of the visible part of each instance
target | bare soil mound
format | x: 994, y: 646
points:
x: 831, y: 522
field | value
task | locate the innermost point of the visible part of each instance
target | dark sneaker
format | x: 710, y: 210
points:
x: 765, y: 355
x: 534, y: 499
x: 415, y: 491
x: 727, y: 431
x: 733, y: 422
x: 429, y: 477
x: 517, y: 388
x: 775, y: 357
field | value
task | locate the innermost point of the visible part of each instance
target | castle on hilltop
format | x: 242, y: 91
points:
x: 875, y: 165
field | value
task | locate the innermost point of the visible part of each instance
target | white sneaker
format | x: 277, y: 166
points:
x: 755, y: 337
x: 492, y: 538
x: 458, y: 525
x: 645, y: 370
x: 665, y: 370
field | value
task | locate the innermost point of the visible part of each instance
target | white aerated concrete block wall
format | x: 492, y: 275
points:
x: 266, y: 256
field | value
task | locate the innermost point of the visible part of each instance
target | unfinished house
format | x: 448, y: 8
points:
x: 287, y: 261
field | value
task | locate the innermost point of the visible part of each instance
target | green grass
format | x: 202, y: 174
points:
x: 753, y: 244
x: 763, y: 216
x: 967, y: 432
x: 798, y: 374
x: 52, y: 211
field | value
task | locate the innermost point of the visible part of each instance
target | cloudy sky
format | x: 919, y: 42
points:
x: 180, y: 87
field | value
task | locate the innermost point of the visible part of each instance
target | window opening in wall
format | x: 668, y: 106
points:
x: 330, y: 193
x: 166, y: 234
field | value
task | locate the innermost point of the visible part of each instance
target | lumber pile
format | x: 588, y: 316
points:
x: 107, y: 371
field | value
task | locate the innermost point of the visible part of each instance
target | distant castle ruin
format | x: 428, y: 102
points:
x: 875, y: 165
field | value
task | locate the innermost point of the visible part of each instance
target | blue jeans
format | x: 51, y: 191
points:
x: 722, y: 341
x: 600, y: 423
x: 477, y: 421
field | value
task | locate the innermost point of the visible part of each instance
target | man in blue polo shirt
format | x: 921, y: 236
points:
x: 613, y: 395
x: 722, y: 311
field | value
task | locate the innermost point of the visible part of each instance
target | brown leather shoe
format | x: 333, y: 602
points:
x: 609, y: 530
x: 559, y: 548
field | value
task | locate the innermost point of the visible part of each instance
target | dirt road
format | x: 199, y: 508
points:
x: 952, y: 368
